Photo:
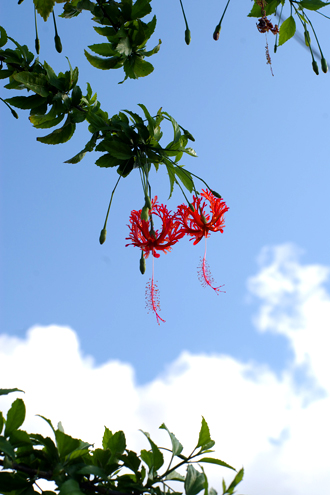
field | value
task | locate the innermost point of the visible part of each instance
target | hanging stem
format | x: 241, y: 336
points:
x: 103, y: 233
x: 37, y: 42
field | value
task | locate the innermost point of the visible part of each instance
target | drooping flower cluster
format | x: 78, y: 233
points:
x: 192, y: 220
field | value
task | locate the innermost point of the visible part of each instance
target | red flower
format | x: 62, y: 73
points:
x: 143, y: 236
x: 198, y: 223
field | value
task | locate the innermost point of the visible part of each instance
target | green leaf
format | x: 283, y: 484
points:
x: 65, y: 443
x: 104, y: 49
x: 238, y: 478
x: 35, y: 82
x: 210, y: 460
x: 118, y: 149
x: 287, y: 30
x: 15, y: 417
x: 26, y: 102
x: 312, y: 4
x: 270, y: 8
x: 107, y: 160
x: 2, y: 421
x: 44, y: 7
x: 19, y: 438
x: 70, y: 487
x: 194, y: 482
x: 204, y: 439
x: 3, y: 36
x: 141, y: 67
x: 61, y: 135
x: 157, y: 456
x: 47, y: 421
x: 95, y: 470
x: 140, y: 9
x: 176, y: 445
x: 185, y: 177
x: 175, y: 476
x: 49, y: 445
x: 6, y: 391
x: 171, y: 175
x: 6, y: 448
x: 104, y: 63
x: 12, y: 481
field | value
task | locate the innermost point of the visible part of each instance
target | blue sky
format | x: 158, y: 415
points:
x: 262, y: 143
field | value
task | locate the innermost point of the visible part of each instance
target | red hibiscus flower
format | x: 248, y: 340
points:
x: 143, y: 235
x: 198, y: 224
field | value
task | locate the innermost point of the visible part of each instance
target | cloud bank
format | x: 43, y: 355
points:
x: 276, y: 427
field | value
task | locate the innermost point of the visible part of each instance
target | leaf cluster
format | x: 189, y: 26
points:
x: 77, y: 468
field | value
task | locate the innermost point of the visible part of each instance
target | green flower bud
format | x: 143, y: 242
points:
x: 145, y: 214
x: 58, y: 43
x: 37, y: 45
x: 187, y: 36
x: 324, y: 65
x: 203, y: 219
x: 315, y: 67
x: 217, y: 195
x: 142, y: 264
x: 103, y: 236
x: 275, y: 48
x: 191, y: 207
x: 147, y: 202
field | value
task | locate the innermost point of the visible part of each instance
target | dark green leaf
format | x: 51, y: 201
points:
x: 19, y: 438
x: 12, y: 481
x: 104, y: 63
x: 141, y: 67
x: 6, y: 391
x: 216, y: 461
x: 104, y: 49
x: 118, y: 149
x: 50, y: 447
x: 61, y: 135
x: 2, y: 421
x: 34, y: 82
x: 287, y: 30
x: 15, y: 417
x: 26, y: 102
x: 6, y: 447
x: 185, y: 177
x: 47, y: 421
x: 176, y: 445
x: 131, y: 461
x: 312, y: 4
x: 95, y: 470
x: 140, y: 9
x: 3, y: 36
x: 204, y: 435
x: 194, y: 482
x: 52, y: 78
x: 107, y: 161
x: 70, y: 487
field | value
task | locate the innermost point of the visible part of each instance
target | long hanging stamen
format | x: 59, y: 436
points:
x: 152, y: 296
x: 205, y: 276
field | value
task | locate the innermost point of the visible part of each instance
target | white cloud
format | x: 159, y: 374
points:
x: 258, y: 420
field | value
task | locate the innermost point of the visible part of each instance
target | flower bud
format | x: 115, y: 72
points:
x: 58, y: 43
x: 103, y: 236
x: 147, y: 202
x: 142, y: 264
x: 216, y: 34
x: 203, y: 219
x: 37, y: 45
x: 187, y: 36
x: 315, y: 67
x: 188, y: 135
x: 275, y: 48
x: 145, y: 213
x: 217, y: 195
x: 324, y: 65
x: 191, y: 207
